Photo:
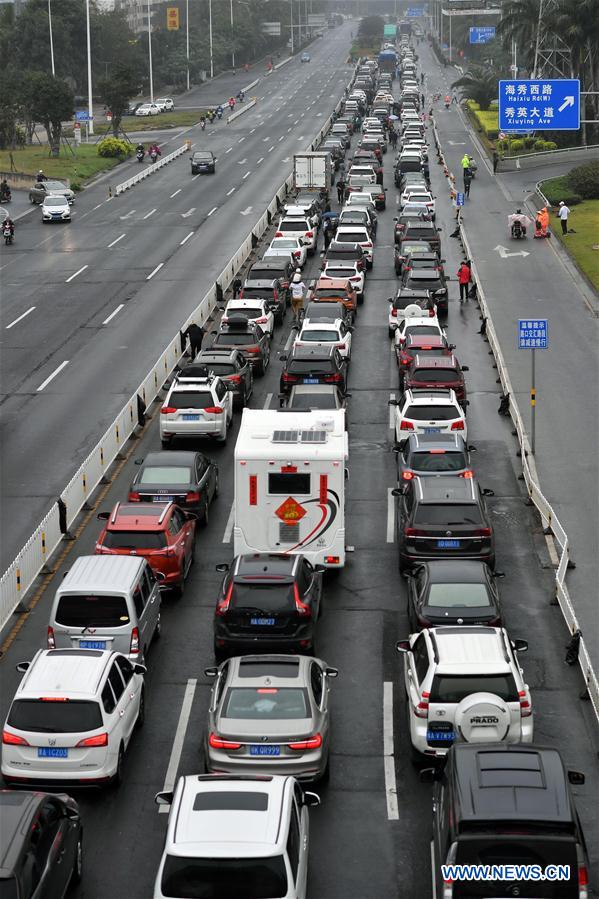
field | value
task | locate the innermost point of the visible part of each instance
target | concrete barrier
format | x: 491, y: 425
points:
x: 151, y: 169
x: 240, y: 112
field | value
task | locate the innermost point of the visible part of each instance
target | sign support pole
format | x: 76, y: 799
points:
x: 533, y: 401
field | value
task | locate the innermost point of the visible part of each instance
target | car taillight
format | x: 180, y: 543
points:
x: 407, y: 475
x: 193, y: 496
x: 414, y: 532
x: 288, y: 379
x: 421, y: 710
x: 13, y: 739
x: 333, y: 379
x: 431, y: 313
x: 301, y: 607
x: 214, y: 410
x: 367, y: 244
x: 218, y: 743
x: 314, y: 742
x: 297, y: 253
x: 469, y: 474
x: 251, y: 349
x: 167, y: 410
x: 241, y: 294
x: 262, y: 320
x: 50, y: 641
x: 339, y: 346
x: 482, y: 532
x: 98, y: 740
x: 234, y: 379
x: 406, y: 426
x: 133, y: 496
x: 457, y: 425
x: 525, y: 706
x: 394, y: 313
x: 360, y: 263
x: 583, y: 874
x: 309, y: 234
x: 355, y: 278
x: 134, y: 647
x: 279, y: 234
x: 222, y: 607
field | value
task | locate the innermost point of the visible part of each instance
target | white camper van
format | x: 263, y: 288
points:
x: 290, y: 484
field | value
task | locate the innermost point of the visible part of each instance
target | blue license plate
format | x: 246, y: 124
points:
x: 92, y: 644
x: 162, y: 499
x: 265, y: 750
x: 191, y: 418
x: 48, y: 752
x: 310, y: 380
x: 440, y: 736
x: 263, y: 621
x: 432, y: 430
x: 448, y: 544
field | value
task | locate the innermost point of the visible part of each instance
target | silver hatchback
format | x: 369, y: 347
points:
x: 270, y: 714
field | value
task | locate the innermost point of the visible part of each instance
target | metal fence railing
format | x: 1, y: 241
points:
x: 151, y: 169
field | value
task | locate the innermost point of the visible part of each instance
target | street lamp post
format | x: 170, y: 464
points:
x: 89, y: 71
x: 51, y: 38
x: 211, y: 43
x: 232, y: 40
x: 187, y: 38
x: 291, y: 23
x: 149, y: 53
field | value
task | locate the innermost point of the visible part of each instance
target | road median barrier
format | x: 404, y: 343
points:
x: 151, y: 169
x: 240, y: 112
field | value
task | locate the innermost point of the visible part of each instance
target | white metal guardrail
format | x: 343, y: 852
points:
x: 549, y: 519
x: 241, y: 111
x: 33, y: 558
x: 151, y: 169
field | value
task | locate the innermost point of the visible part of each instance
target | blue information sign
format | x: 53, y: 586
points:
x: 550, y: 105
x: 532, y: 334
x: 459, y: 199
x: 414, y: 12
x: 82, y: 115
x: 482, y: 34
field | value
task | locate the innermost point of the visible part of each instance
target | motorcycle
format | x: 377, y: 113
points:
x: 518, y: 231
x: 473, y: 167
x: 203, y: 124
x: 6, y: 196
x: 153, y: 157
x: 7, y: 234
x: 219, y: 113
x: 140, y: 155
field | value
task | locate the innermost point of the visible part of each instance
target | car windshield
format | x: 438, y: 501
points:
x: 166, y: 474
x: 92, y: 611
x: 438, y: 460
x: 307, y: 401
x: 431, y: 413
x: 325, y: 334
x: 339, y: 273
x: 54, y: 201
x: 134, y: 540
x: 277, y: 596
x: 219, y: 878
x: 471, y: 596
x: 435, y: 375
x: 191, y: 399
x: 454, y: 688
x: 60, y: 717
x: 447, y: 514
x: 265, y: 703
x: 55, y: 185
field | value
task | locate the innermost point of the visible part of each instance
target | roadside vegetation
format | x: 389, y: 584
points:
x: 77, y: 167
x: 579, y: 190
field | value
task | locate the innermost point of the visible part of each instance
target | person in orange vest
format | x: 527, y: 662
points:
x: 542, y: 223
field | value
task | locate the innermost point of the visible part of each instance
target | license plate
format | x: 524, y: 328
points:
x: 440, y: 736
x: 162, y: 499
x: 263, y: 621
x: 48, y: 752
x: 448, y: 544
x: 191, y: 417
x: 92, y: 644
x: 310, y: 380
x: 432, y: 430
x: 265, y: 750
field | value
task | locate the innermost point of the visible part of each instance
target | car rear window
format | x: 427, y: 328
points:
x: 339, y: 253
x: 246, y: 311
x: 221, y: 368
x: 438, y: 375
x: 265, y: 703
x: 416, y: 282
x: 454, y: 688
x: 134, y: 540
x: 79, y: 610
x: 231, y: 339
x: 420, y: 329
x: 257, y: 293
x: 219, y: 878
x: 339, y: 273
x: 328, y: 336
x: 471, y: 596
x: 328, y: 293
x: 58, y: 717
x: 541, y: 849
x: 351, y: 237
x: 448, y: 514
x: 307, y: 366
x: 191, y: 399
x: 285, y: 242
x: 441, y: 460
x: 431, y: 413
x: 269, y: 597
x: 158, y: 474
x: 295, y: 226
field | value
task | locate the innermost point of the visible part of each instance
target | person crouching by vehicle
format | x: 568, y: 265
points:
x: 518, y: 222
x: 542, y: 223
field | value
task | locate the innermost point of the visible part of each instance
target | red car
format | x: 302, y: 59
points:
x: 435, y: 372
x: 160, y: 532
x: 423, y: 345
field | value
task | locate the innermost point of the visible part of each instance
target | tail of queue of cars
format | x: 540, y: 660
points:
x: 290, y: 471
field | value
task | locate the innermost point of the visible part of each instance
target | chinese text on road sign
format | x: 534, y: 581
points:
x: 551, y: 105
x: 532, y: 334
x: 482, y: 34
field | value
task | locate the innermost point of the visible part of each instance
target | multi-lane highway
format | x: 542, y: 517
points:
x: 370, y: 837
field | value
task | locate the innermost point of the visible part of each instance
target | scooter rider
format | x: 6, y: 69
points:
x: 4, y: 190
x: 41, y: 177
x: 140, y: 151
x: 523, y: 220
x: 8, y: 226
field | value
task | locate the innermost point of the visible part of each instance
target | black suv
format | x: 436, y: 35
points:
x: 246, y: 336
x: 271, y: 290
x: 268, y: 601
x: 203, y: 161
x: 346, y: 251
x: 274, y: 267
x: 443, y: 518
x: 41, y: 848
x: 231, y: 366
x: 313, y: 365
x: 506, y: 803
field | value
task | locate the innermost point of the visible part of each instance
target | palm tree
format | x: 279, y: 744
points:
x: 519, y: 23
x: 577, y: 23
x: 479, y: 83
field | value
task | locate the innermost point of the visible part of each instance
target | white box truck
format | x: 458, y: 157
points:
x: 290, y: 471
x: 312, y: 171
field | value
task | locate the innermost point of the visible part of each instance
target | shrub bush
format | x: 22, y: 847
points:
x: 556, y: 189
x: 517, y: 145
x: 584, y: 179
x: 114, y: 148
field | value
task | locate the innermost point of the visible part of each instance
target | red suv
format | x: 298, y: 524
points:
x: 434, y: 372
x: 160, y: 532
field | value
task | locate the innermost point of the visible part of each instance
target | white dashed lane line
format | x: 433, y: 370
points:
x: 214, y: 208
x: 157, y: 269
x: 186, y: 238
x: 260, y: 160
x: 151, y: 212
x: 78, y: 272
x: 247, y: 174
x: 112, y: 314
x: 115, y: 241
x: 53, y: 375
x: 175, y: 193
x: 270, y: 149
x: 20, y: 318
x: 229, y: 150
x: 229, y: 192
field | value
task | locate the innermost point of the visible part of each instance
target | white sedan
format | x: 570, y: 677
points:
x: 147, y: 109
x: 56, y: 209
x: 254, y: 309
x: 289, y: 246
x: 328, y: 334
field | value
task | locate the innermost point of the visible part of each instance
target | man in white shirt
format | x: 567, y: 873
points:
x: 562, y: 214
x: 297, y: 295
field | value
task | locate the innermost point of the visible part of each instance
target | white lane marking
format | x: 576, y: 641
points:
x: 157, y: 269
x: 282, y: 137
x: 252, y: 131
x: 270, y: 149
x: 389, y: 752
x: 186, y: 238
x: 229, y: 525
x: 295, y: 121
x: 185, y: 215
x: 112, y: 314
x: 82, y: 269
x: 214, y: 208
x: 195, y: 176
x: 115, y: 241
x: 392, y: 412
x: 265, y: 139
x: 229, y: 150
x: 151, y: 212
x: 288, y: 130
x: 289, y: 115
x: 241, y: 161
x: 260, y: 160
x: 241, y: 140
x: 96, y: 207
x: 173, y: 763
x: 267, y: 401
x: 229, y: 192
x: 53, y: 375
x: 20, y: 318
x: 247, y: 174
x: 390, y: 515
x: 434, y: 879
x: 301, y: 137
x: 175, y: 193
x: 128, y: 215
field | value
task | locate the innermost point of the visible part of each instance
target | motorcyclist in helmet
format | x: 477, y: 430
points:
x: 518, y: 216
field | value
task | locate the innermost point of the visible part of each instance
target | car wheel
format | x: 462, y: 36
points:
x: 165, y: 443
x: 325, y: 776
x: 32, y: 200
x: 205, y: 515
x: 390, y: 331
x: 141, y: 715
x: 117, y: 778
x: 77, y: 871
x: 223, y: 439
x: 360, y: 299
x: 158, y: 628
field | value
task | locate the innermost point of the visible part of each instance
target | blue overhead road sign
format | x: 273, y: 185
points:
x: 532, y: 334
x: 482, y: 34
x: 414, y: 12
x: 82, y: 115
x: 549, y: 105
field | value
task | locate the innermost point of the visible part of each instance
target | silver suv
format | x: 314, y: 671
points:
x: 464, y: 684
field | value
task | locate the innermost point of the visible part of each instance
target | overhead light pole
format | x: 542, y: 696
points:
x: 232, y: 40
x: 149, y: 53
x: 51, y: 38
x: 90, y: 105
x: 211, y: 42
x: 187, y: 38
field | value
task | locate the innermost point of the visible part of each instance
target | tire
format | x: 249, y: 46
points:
x: 326, y: 774
x: 77, y: 872
x: 158, y: 629
x: 141, y: 717
x: 390, y: 330
x: 360, y: 299
x: 165, y: 444
x: 117, y: 778
x: 205, y: 517
x: 223, y: 440
x: 216, y: 487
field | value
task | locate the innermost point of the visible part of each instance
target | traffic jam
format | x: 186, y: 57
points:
x: 242, y: 808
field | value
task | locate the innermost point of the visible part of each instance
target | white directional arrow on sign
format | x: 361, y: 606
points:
x: 185, y: 215
x: 503, y: 252
x: 568, y: 101
x: 247, y: 211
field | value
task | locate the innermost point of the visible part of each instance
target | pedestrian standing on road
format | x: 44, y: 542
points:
x: 196, y: 336
x: 422, y: 78
x: 297, y: 296
x: 327, y: 230
x: 464, y: 277
x: 237, y: 285
x: 340, y: 191
x: 562, y: 214
x: 495, y: 160
x: 467, y: 182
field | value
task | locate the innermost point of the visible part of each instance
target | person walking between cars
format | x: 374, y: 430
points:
x: 467, y: 182
x: 297, y: 296
x: 562, y: 214
x: 196, y: 336
x: 41, y: 177
x: 464, y: 278
x: 327, y: 231
x: 341, y: 191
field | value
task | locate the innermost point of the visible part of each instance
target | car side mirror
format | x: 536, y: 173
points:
x: 311, y: 799
x: 390, y: 300
x: 486, y: 491
x: 139, y: 461
x: 399, y: 491
x: 498, y: 574
x: 403, y: 646
x: 22, y: 667
x: 212, y: 671
x: 222, y: 566
x: 331, y: 672
x: 139, y: 669
x: 439, y: 229
x: 429, y: 775
x: 159, y: 575
x: 452, y: 346
x: 471, y: 449
x: 164, y: 798
x: 393, y: 402
x: 576, y: 778
x: 520, y: 645
x: 71, y: 813
x: 465, y: 368
x: 395, y: 219
x: 103, y: 516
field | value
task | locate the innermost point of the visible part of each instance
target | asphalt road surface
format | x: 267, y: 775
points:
x: 88, y: 307
x: 357, y: 850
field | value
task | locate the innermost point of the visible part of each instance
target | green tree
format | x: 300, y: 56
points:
x: 371, y: 29
x: 479, y: 83
x: 519, y: 22
x: 54, y: 103
x: 116, y: 92
x: 9, y: 108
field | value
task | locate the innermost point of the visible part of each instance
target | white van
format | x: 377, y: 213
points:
x: 106, y: 602
x: 290, y: 484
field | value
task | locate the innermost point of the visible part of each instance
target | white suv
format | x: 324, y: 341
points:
x: 464, y: 683
x: 234, y: 835
x: 253, y: 308
x: 299, y: 227
x: 428, y: 412
x: 72, y: 717
x: 357, y: 234
x: 196, y: 407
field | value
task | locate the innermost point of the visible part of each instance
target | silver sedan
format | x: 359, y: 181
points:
x: 270, y: 714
